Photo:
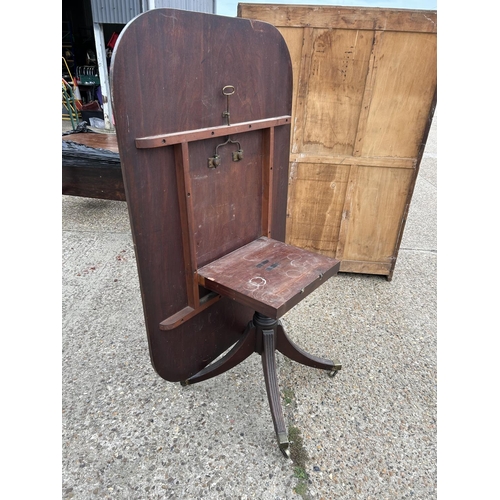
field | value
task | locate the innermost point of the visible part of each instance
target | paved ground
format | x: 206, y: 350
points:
x: 369, y: 433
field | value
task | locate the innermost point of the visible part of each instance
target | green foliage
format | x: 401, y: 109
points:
x: 288, y: 395
x: 299, y: 456
x: 301, y: 489
x: 297, y: 451
x: 300, y: 473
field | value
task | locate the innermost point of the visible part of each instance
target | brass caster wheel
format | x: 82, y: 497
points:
x: 285, y: 450
x: 335, y: 368
x: 284, y: 444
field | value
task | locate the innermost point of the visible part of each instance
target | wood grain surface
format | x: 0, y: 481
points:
x: 268, y: 275
x: 364, y: 97
x: 167, y: 73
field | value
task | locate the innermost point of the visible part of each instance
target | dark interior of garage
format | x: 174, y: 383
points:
x: 79, y: 60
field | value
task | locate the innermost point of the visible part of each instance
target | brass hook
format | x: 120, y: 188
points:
x: 228, y: 141
x: 214, y: 161
x: 228, y: 90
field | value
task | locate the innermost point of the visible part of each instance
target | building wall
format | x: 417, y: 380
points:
x: 122, y: 11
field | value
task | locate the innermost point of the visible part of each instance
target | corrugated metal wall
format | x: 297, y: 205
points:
x: 192, y: 5
x: 122, y: 11
x: 115, y: 11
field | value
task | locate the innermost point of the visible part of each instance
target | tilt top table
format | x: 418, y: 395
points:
x: 202, y: 105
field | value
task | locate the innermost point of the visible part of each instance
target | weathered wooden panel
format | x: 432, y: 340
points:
x: 378, y: 200
x: 331, y: 90
x: 91, y: 166
x: 364, y: 97
x: 294, y: 40
x: 321, y: 190
x: 402, y: 89
x: 350, y: 18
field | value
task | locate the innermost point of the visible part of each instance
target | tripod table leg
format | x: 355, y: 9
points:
x: 273, y: 394
x: 285, y: 345
x: 240, y: 351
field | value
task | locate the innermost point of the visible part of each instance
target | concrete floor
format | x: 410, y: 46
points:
x: 369, y: 433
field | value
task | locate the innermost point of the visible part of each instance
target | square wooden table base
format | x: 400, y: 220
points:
x: 271, y: 277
